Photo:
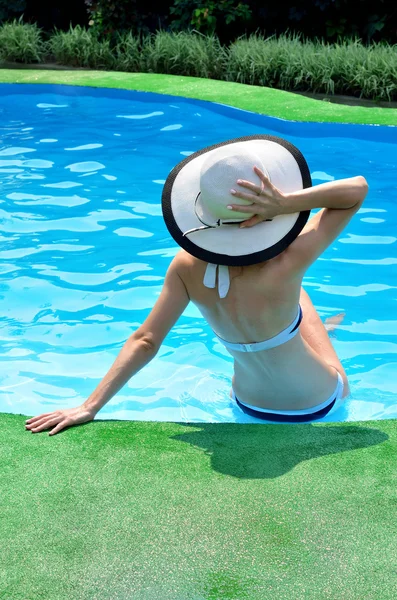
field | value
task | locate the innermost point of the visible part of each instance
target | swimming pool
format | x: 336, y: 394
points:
x: 84, y: 252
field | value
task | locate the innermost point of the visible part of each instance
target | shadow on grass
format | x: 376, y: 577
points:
x: 268, y: 451
x: 245, y: 451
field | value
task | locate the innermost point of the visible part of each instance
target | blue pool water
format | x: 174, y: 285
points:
x: 84, y: 251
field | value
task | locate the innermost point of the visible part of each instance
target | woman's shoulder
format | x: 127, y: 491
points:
x: 183, y: 260
x: 189, y: 268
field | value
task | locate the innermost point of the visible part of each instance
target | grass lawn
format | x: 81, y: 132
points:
x: 116, y: 510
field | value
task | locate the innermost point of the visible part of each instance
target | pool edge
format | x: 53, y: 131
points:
x: 260, y: 100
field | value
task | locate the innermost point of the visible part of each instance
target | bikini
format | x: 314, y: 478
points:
x: 280, y: 416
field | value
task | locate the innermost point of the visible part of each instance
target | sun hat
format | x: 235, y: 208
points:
x: 197, y: 192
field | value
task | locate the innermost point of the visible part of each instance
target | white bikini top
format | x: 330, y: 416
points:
x: 223, y: 288
x: 223, y: 278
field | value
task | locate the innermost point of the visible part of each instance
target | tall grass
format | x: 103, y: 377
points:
x: 367, y: 71
x: 79, y: 48
x: 184, y: 53
x: 128, y: 53
x: 21, y: 42
x: 289, y: 63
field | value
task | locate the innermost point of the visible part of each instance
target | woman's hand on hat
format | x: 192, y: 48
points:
x: 266, y: 200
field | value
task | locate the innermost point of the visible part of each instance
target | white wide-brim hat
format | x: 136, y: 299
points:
x: 197, y: 192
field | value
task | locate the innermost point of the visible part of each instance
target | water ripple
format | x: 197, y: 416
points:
x: 77, y: 277
x: 172, y: 127
x: 38, y: 163
x: 85, y: 147
x: 131, y: 232
x: 85, y: 167
x: 47, y: 200
x: 47, y: 105
x: 62, y: 184
x: 14, y: 151
x: 156, y: 113
x: 367, y: 239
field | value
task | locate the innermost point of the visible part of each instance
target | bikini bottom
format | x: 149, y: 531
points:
x: 296, y: 416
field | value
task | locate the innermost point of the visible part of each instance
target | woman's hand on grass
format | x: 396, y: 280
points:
x: 59, y: 419
x: 267, y: 201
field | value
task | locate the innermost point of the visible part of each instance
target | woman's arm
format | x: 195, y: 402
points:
x: 342, y: 194
x: 339, y: 201
x: 140, y: 348
x: 145, y: 342
x: 267, y: 201
x: 134, y: 355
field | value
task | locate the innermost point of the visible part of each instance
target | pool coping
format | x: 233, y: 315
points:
x: 256, y: 99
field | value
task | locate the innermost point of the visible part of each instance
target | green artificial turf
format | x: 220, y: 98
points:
x: 120, y: 510
x: 264, y: 100
x: 112, y: 510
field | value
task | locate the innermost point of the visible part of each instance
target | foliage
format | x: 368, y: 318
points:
x: 184, y: 53
x: 128, y: 52
x: 21, y: 42
x: 286, y: 62
x: 11, y: 8
x: 108, y: 17
x: 228, y: 19
x: 204, y: 15
x: 345, y: 18
x: 80, y: 48
x: 289, y: 63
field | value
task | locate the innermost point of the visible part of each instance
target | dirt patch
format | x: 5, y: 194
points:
x: 348, y: 100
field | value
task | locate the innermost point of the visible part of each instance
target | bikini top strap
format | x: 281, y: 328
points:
x: 284, y: 336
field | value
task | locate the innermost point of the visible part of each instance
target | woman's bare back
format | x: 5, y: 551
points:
x: 262, y: 300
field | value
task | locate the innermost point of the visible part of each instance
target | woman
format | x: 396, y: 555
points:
x: 240, y: 212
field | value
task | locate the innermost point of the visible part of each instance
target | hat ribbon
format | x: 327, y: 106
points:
x: 217, y: 223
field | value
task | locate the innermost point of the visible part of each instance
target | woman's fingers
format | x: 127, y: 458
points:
x: 249, y: 186
x: 244, y: 195
x: 60, y: 426
x: 61, y: 419
x: 265, y: 182
x: 252, y: 221
x: 45, y: 424
x: 262, y: 176
x: 250, y: 209
x: 39, y: 420
x: 33, y: 419
x: 36, y: 423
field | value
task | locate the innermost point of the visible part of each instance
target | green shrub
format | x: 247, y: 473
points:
x: 21, y: 42
x: 11, y: 8
x: 252, y: 61
x: 366, y: 71
x: 128, y: 52
x: 109, y: 17
x: 287, y: 62
x: 206, y: 15
x: 292, y: 64
x: 80, y: 48
x: 184, y: 53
